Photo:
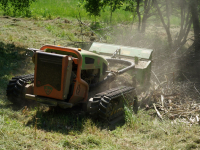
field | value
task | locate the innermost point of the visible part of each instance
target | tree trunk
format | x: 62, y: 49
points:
x: 144, y: 21
x: 147, y: 7
x: 196, y: 26
x: 166, y: 26
x: 138, y: 13
x: 186, y: 23
x: 111, y: 11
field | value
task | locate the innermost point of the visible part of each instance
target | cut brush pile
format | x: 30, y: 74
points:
x: 177, y: 102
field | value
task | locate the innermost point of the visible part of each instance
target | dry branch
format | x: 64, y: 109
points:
x: 177, y: 104
x: 158, y: 113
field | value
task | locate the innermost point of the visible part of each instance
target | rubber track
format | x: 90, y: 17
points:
x: 15, y: 88
x: 116, y: 92
x: 104, y: 101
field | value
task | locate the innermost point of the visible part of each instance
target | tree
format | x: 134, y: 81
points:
x: 165, y: 25
x: 130, y: 6
x: 144, y: 10
x: 93, y: 7
x: 186, y: 22
x: 148, y: 6
x: 14, y: 6
x: 113, y: 4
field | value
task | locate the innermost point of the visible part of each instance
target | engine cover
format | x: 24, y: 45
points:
x: 52, y: 75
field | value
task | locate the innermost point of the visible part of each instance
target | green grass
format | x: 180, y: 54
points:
x: 70, y: 9
x: 61, y: 8
x: 64, y: 131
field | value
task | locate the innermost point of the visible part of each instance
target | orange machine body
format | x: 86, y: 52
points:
x: 81, y: 88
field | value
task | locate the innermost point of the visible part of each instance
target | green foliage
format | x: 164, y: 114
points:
x: 93, y: 7
x: 95, y: 25
x: 130, y: 117
x: 16, y: 6
x: 131, y: 5
x: 113, y: 4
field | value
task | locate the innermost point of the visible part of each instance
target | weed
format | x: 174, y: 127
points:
x: 50, y: 28
x: 130, y: 117
x: 68, y: 144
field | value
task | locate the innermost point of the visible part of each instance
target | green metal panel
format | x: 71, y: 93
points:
x: 98, y: 60
x: 125, y: 50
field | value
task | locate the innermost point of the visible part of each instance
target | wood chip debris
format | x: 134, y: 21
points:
x: 173, y: 103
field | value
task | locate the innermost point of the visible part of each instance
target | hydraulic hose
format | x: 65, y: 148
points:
x: 130, y: 64
x: 111, y: 76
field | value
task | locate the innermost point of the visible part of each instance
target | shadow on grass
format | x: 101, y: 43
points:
x: 31, y: 105
x: 13, y: 62
x: 60, y: 120
x: 11, y: 106
x: 67, y: 121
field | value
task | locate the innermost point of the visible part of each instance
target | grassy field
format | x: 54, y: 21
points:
x: 53, y: 131
x: 70, y: 9
x: 61, y: 8
x: 40, y: 128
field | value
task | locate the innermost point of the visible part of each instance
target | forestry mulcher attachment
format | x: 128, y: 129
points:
x: 65, y: 77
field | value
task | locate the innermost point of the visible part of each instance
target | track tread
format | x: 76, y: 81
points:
x: 102, y: 106
x: 105, y: 101
x: 96, y: 103
x: 15, y: 87
x: 111, y: 106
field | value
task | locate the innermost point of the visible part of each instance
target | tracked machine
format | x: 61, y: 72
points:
x: 66, y: 77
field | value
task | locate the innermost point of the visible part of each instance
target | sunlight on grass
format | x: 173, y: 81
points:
x: 61, y: 8
x: 70, y: 9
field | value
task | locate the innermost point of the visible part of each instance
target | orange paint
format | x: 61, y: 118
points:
x: 42, y: 91
x: 79, y: 83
